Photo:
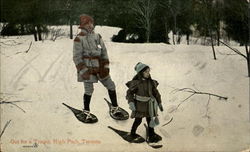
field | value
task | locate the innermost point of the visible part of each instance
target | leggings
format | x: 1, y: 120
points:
x: 138, y: 121
x: 107, y: 83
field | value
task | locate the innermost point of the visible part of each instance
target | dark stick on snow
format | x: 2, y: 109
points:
x: 29, y: 47
x: 26, y: 50
x: 8, y: 102
x: 167, y: 122
x: 199, y: 92
x: 207, y: 108
x: 5, y: 126
x: 12, y: 44
x: 194, y: 92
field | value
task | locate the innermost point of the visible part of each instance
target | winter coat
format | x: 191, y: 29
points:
x: 142, y: 88
x: 90, y: 57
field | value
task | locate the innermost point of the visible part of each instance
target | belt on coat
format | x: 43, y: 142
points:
x: 93, y: 70
x: 91, y: 57
x: 153, y: 108
x: 142, y: 98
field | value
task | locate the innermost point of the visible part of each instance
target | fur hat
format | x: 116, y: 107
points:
x: 85, y: 19
x: 140, y: 67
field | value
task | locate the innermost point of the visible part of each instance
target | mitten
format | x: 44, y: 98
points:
x: 160, y: 107
x: 132, y: 106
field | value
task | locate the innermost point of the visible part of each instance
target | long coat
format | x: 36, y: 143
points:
x: 90, y: 57
x: 143, y: 88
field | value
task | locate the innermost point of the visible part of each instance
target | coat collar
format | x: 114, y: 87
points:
x: 86, y: 32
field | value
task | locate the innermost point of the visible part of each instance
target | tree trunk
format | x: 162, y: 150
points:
x: 147, y: 36
x: 35, y: 33
x: 248, y: 59
x: 22, y: 29
x: 218, y: 35
x: 39, y: 32
x: 148, y: 30
x: 173, y: 38
x: 212, y: 43
x: 166, y: 33
x: 187, y: 39
x: 71, y: 31
x: 179, y: 39
x: 174, y: 31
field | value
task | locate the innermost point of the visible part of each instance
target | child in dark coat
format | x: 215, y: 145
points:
x: 144, y: 100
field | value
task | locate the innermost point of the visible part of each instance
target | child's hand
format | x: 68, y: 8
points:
x: 160, y: 107
x: 132, y: 106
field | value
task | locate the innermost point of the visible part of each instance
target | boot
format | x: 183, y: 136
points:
x: 157, y: 137
x: 86, y: 110
x: 114, y: 108
x: 152, y: 136
x: 132, y: 133
x: 86, y: 101
x: 113, y: 98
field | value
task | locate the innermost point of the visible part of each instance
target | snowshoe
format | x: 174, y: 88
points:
x: 83, y: 116
x: 151, y: 140
x: 135, y: 138
x: 117, y: 113
x: 156, y: 137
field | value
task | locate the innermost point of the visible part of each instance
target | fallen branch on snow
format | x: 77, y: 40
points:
x: 11, y: 43
x: 234, y: 49
x: 5, y: 126
x: 207, y: 108
x: 194, y: 92
x: 26, y: 50
x: 13, y: 103
x: 29, y: 47
x: 167, y: 122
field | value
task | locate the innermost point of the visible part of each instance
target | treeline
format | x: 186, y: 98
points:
x: 141, y: 20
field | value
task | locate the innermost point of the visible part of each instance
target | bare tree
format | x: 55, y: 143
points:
x: 144, y: 10
x: 247, y: 56
x: 174, y: 9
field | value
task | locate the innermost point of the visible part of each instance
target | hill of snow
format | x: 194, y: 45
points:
x: 45, y: 77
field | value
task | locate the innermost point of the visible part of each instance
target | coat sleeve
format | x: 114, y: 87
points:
x: 132, y: 88
x: 104, y: 53
x: 156, y: 93
x: 104, y: 59
x: 77, y: 54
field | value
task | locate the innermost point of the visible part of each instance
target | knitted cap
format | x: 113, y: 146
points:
x: 140, y: 66
x: 85, y: 19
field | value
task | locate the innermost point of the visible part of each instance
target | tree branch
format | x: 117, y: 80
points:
x: 207, y: 108
x: 194, y: 92
x: 26, y: 50
x: 5, y: 126
x: 29, y: 47
x: 167, y: 122
x: 235, y: 50
x: 13, y: 103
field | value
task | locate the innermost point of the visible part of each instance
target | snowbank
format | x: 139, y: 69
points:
x: 45, y: 77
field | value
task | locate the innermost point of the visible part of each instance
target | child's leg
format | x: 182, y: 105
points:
x: 153, y: 137
x: 88, y: 90
x: 110, y: 85
x: 135, y: 125
x: 150, y: 129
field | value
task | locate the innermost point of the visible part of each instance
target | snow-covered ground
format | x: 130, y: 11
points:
x: 45, y: 77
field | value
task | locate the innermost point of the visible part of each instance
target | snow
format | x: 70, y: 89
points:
x: 45, y: 77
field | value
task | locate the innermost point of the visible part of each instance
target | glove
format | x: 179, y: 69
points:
x: 132, y: 106
x: 160, y: 107
x: 132, y: 114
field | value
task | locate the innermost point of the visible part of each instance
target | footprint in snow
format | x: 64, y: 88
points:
x: 172, y: 109
x: 197, y: 130
x: 164, y: 133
